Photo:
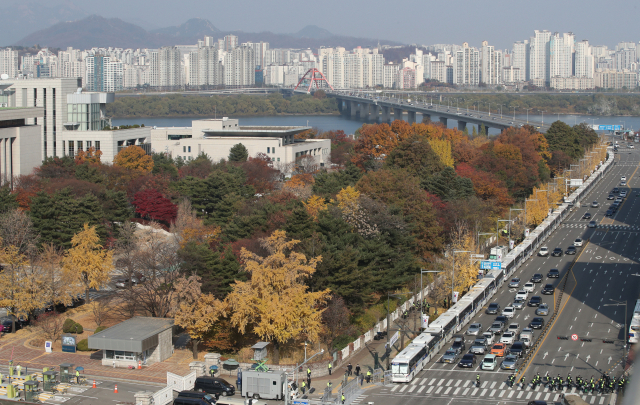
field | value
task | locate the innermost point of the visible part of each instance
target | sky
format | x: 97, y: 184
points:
x: 424, y: 22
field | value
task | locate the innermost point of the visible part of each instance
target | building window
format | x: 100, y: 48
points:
x: 184, y: 149
x: 88, y: 144
x: 273, y: 150
x: 72, y: 152
x: 80, y: 146
x: 273, y: 159
x: 278, y: 159
x: 97, y: 145
x: 268, y: 149
x: 189, y: 149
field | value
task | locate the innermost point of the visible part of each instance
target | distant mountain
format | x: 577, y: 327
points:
x: 314, y: 32
x: 194, y: 28
x: 21, y: 18
x: 96, y: 31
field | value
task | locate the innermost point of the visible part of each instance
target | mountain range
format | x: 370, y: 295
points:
x: 96, y: 31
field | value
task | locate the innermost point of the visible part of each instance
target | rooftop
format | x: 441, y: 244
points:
x: 255, y: 131
x: 135, y: 335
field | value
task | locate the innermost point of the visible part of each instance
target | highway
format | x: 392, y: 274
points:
x: 600, y: 271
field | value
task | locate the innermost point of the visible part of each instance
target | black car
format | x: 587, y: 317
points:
x: 615, y: 190
x: 609, y: 213
x: 458, y: 343
x: 553, y: 273
x: 557, y: 252
x: 571, y: 250
x: 537, y: 278
x: 535, y: 301
x: 547, y: 289
x: 6, y: 322
x: 611, y: 197
x: 502, y: 319
x: 468, y: 360
x: 517, y: 348
x: 536, y: 323
x: 586, y: 216
x: 207, y: 398
x: 214, y: 385
x: 493, y: 308
x: 190, y: 401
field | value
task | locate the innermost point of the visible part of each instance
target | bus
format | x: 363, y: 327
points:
x: 634, y: 326
x: 408, y: 363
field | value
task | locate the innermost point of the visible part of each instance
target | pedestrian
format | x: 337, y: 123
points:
x: 330, y: 366
x: 329, y: 385
x: 303, y: 387
x: 77, y: 377
x: 349, y: 368
x: 342, y: 397
x: 361, y: 379
x: 428, y: 308
x: 357, y: 370
x: 368, y: 376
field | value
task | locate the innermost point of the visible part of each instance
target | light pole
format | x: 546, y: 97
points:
x: 514, y: 113
x: 481, y: 234
x: 305, y: 362
x: 389, y: 313
x: 489, y: 109
x: 453, y: 274
x: 422, y: 290
x: 528, y: 113
x: 615, y: 304
x: 542, y: 116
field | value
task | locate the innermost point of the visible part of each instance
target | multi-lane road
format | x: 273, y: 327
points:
x: 601, y: 271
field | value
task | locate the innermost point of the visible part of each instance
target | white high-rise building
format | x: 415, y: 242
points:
x: 539, y: 72
x: 230, y: 43
x: 520, y: 59
x: 490, y: 64
x: 359, y: 68
x: 584, y: 61
x: 240, y: 67
x: 9, y: 62
x: 390, y: 75
x: 561, y: 49
x: 466, y: 67
x: 165, y: 67
x: 205, y: 67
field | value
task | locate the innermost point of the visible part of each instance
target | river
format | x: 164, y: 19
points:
x: 349, y: 126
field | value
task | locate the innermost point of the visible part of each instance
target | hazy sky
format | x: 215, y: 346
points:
x: 501, y: 22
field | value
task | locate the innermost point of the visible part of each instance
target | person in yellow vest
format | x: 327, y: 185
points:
x: 368, y: 376
x: 329, y: 385
x: 303, y: 387
x: 77, y: 377
x: 342, y: 398
x: 330, y: 368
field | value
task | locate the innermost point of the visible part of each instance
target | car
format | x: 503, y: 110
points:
x: 553, y: 273
x: 577, y: 242
x: 592, y: 224
x: 479, y: 346
x: 518, y: 304
x: 611, y: 197
x: 493, y: 308
x: 608, y: 213
x: 537, y: 278
x: 618, y: 200
x: 528, y: 332
x: 214, y: 385
x: 515, y: 283
x: 489, y: 362
x: 451, y: 355
x: 509, y: 312
x: 547, y: 289
x: 615, y: 190
x: 514, y: 327
x: 595, y: 204
x: 623, y: 178
x: 518, y: 348
x: 537, y: 323
x: 496, y: 328
x: 123, y: 283
x: 508, y: 337
x: 631, y: 146
x: 474, y: 329
x: 535, y: 301
x: 529, y: 287
x: 586, y: 216
x: 199, y: 397
x: 458, y: 343
x: 502, y: 319
x: 509, y: 362
x: 543, y: 309
x: 623, y: 194
x: 522, y: 294
x: 138, y: 278
x: 488, y: 336
x: 499, y: 349
x: 571, y: 250
x: 544, y: 251
x: 468, y: 360
x: 557, y: 252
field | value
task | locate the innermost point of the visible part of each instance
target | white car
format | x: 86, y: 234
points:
x: 595, y: 204
x: 577, y: 242
x: 509, y: 312
x: 623, y: 178
x: 522, y: 295
x: 623, y: 194
x: 528, y: 287
x: 508, y: 337
x: 514, y: 327
x: 489, y: 337
x: 631, y: 146
x: 544, y: 251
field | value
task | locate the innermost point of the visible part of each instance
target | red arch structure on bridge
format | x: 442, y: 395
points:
x: 313, y: 79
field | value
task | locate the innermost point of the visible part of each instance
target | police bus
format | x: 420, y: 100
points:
x: 408, y: 363
x: 634, y: 326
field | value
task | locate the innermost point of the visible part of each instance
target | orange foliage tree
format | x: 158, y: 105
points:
x: 134, y: 158
x: 91, y: 156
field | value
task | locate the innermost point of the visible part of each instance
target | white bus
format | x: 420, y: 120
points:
x: 634, y: 326
x: 408, y: 363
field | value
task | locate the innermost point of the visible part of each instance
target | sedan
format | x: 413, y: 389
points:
x: 586, y: 216
x: 509, y: 312
x: 623, y: 178
x: 478, y: 347
x: 529, y: 287
x: 611, y: 197
x: 496, y: 328
x: 450, y: 356
x: 623, y: 194
x: 489, y: 362
x: 577, y: 242
x: 122, y: 283
x: 508, y: 337
x: 593, y: 224
x: 502, y: 319
x: 609, y: 213
x: 514, y: 327
x: 474, y: 329
x: 595, y: 204
x: 537, y: 323
x: 553, y: 273
x: 488, y: 337
x: 615, y: 190
x: 537, y: 278
x: 571, y: 250
x: 499, y: 349
x: 518, y: 349
x: 557, y: 252
x: 543, y: 309
x: 509, y: 362
x: 493, y: 308
x: 544, y: 251
x: 547, y: 289
x: 518, y: 304
x: 522, y: 295
x: 515, y: 283
x: 618, y: 200
x: 468, y: 360
x: 535, y: 301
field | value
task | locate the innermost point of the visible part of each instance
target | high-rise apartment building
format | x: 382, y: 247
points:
x: 230, y: 43
x: 9, y: 62
x: 539, y: 72
x: 390, y: 75
x: 359, y: 68
x: 165, y: 67
x: 466, y: 67
x: 205, y: 67
x: 584, y: 61
x: 520, y: 58
x: 561, y: 50
x: 490, y: 64
x: 239, y: 67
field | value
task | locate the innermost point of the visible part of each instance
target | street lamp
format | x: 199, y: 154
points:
x: 514, y: 113
x: 527, y: 113
x: 619, y: 303
x: 481, y: 234
x: 542, y: 116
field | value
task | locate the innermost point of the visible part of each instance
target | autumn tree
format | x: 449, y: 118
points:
x: 16, y: 229
x: 87, y: 262
x: 134, y: 158
x: 152, y: 205
x: 8, y: 200
x: 442, y: 149
x: 238, y: 153
x: 314, y: 205
x: 275, y: 303
x: 91, y: 156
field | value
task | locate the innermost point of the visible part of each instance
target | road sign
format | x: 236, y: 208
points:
x: 608, y: 127
x: 394, y: 338
x: 490, y: 265
x: 574, y: 337
x: 300, y: 402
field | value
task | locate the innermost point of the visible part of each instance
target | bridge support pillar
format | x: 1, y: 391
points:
x: 397, y: 114
x: 462, y: 125
x: 340, y: 106
x: 426, y: 117
x: 364, y: 111
x: 411, y: 117
x: 353, y: 108
x: 386, y: 114
x: 443, y: 120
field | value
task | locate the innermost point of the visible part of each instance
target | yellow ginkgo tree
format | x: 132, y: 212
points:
x: 87, y: 263
x: 276, y: 304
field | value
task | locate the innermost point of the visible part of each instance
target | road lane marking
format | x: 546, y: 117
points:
x: 430, y: 389
x: 465, y: 391
x: 493, y: 384
x: 492, y: 393
x: 422, y: 388
x: 448, y: 390
x: 475, y: 390
x: 456, y: 391
x: 404, y: 388
x: 395, y: 388
x: 483, y: 392
x: 439, y: 389
x: 413, y: 387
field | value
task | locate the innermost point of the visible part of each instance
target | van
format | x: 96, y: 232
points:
x: 214, y: 385
x: 197, y: 394
x: 189, y: 401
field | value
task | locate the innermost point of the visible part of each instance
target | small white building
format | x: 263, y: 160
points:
x: 216, y: 137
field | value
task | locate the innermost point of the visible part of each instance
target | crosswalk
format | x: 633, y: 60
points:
x: 359, y: 399
x: 604, y: 226
x: 488, y: 389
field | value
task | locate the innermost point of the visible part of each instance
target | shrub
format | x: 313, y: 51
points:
x: 71, y: 326
x: 83, y: 345
x: 79, y: 329
x: 99, y: 329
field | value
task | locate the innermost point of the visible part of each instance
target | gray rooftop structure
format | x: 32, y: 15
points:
x: 133, y: 335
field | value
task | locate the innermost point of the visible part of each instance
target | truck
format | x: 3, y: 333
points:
x: 263, y: 384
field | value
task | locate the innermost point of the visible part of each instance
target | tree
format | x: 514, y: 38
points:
x: 91, y: 156
x: 8, y: 200
x: 217, y: 271
x: 442, y: 149
x: 134, y: 158
x: 314, y: 205
x: 238, y: 153
x: 16, y: 229
x: 448, y: 185
x: 562, y: 137
x: 86, y: 262
x: 50, y: 323
x: 275, y: 303
x: 54, y: 217
x: 417, y: 156
x: 152, y: 205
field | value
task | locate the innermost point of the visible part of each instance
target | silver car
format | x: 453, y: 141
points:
x: 496, y: 328
x: 518, y: 304
x: 509, y: 362
x: 508, y: 338
x: 474, y: 329
x: 451, y: 356
x: 515, y: 283
x: 543, y: 309
x: 479, y: 346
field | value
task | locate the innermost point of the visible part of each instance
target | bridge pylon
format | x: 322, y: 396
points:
x: 314, y: 76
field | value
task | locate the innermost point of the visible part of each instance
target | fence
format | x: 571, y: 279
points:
x: 163, y: 397
x: 180, y: 383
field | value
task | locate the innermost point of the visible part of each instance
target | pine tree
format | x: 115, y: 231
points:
x: 8, y: 200
x: 483, y: 130
x: 299, y: 224
x: 466, y: 131
x: 55, y: 217
x: 238, y: 153
x: 89, y: 211
x: 116, y: 207
x: 474, y: 133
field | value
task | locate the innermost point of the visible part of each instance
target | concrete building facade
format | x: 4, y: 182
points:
x: 539, y: 58
x: 20, y: 145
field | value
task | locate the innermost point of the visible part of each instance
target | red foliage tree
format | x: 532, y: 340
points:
x: 486, y: 186
x: 260, y: 173
x: 156, y: 182
x: 151, y: 204
x: 26, y: 187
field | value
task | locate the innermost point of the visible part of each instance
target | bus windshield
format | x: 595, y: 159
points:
x: 400, y: 368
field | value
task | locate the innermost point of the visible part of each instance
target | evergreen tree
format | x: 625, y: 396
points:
x: 330, y: 184
x: 8, y: 200
x: 238, y: 153
x: 55, y: 217
x: 299, y: 224
x: 474, y: 133
x: 466, y: 130
x: 483, y: 130
x: 448, y: 185
x: 89, y: 211
x: 163, y: 164
x: 89, y: 172
x: 116, y: 207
